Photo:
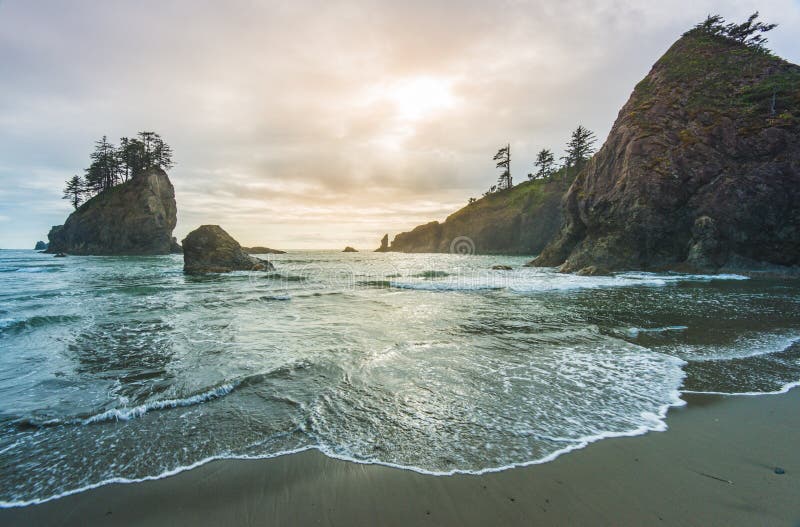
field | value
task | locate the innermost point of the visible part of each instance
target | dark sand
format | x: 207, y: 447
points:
x: 714, y: 466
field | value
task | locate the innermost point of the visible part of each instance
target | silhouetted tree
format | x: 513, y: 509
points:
x: 133, y: 156
x: 162, y: 154
x: 545, y: 162
x: 155, y: 152
x: 74, y: 191
x: 112, y: 165
x: 103, y: 173
x: 581, y: 146
x: 503, y: 158
x: 579, y: 149
x: 471, y: 201
x: 749, y: 32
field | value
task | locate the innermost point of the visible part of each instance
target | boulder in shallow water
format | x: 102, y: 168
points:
x: 209, y: 249
x: 502, y: 267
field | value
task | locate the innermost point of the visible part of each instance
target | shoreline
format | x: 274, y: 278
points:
x: 715, y: 465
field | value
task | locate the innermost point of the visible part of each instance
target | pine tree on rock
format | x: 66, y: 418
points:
x: 545, y: 163
x: 503, y: 158
x: 74, y: 191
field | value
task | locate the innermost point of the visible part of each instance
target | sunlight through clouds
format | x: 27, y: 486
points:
x: 361, y: 105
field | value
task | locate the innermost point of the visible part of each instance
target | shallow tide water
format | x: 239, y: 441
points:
x: 121, y: 369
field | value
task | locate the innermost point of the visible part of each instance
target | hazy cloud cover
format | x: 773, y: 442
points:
x: 320, y: 124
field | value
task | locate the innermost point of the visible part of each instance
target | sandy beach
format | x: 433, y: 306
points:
x: 716, y: 465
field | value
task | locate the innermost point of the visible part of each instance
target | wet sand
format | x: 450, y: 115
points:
x: 714, y: 466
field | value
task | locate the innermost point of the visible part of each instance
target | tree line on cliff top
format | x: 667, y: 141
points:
x: 114, y: 164
x: 580, y: 147
x: 578, y: 151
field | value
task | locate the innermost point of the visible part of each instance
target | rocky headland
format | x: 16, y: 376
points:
x: 701, y: 170
x: 520, y: 220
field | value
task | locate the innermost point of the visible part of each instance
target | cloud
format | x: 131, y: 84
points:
x: 303, y: 124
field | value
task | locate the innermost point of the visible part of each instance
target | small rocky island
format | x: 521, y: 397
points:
x: 209, y: 249
x: 349, y: 249
x: 260, y: 249
x: 133, y: 218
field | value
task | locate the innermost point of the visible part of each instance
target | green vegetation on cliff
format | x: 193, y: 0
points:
x: 519, y: 220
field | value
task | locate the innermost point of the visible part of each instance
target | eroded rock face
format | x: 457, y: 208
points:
x: 134, y: 218
x: 209, y: 249
x: 698, y: 172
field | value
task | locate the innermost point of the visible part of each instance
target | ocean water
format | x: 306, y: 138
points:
x: 123, y: 369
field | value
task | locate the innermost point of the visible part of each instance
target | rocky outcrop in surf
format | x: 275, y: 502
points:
x: 40, y: 246
x: 134, y: 218
x: 349, y: 249
x: 209, y: 249
x: 701, y: 170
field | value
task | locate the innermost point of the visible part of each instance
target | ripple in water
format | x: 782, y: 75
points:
x: 433, y: 363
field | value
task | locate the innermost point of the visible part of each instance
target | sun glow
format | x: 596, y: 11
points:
x: 420, y: 97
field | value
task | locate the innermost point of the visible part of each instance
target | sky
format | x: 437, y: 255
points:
x: 315, y: 125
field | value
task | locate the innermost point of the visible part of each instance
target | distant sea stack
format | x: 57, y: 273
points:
x: 134, y: 218
x: 384, y: 245
x: 520, y: 220
x: 701, y: 170
x: 40, y: 246
x: 209, y: 249
x: 349, y: 249
x: 258, y: 249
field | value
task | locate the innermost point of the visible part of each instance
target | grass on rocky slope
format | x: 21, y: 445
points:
x: 524, y: 196
x: 707, y: 73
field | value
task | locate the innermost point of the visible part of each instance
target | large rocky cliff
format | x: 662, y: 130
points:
x: 521, y: 220
x: 701, y: 170
x: 134, y: 218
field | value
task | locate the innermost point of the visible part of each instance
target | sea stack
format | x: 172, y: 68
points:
x: 209, y: 249
x: 349, y: 249
x: 701, y: 170
x: 384, y: 245
x: 134, y: 218
x: 40, y: 246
